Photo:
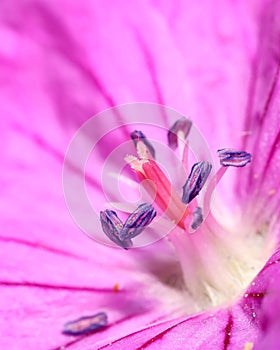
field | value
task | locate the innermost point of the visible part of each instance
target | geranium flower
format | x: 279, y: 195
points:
x: 64, y: 62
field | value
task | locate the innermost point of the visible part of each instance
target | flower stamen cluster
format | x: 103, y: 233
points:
x: 203, y: 255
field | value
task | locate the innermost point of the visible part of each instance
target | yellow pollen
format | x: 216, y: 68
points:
x: 248, y: 346
x: 116, y: 287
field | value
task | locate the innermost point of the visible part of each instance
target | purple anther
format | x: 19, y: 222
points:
x: 197, y: 218
x: 112, y: 227
x: 197, y: 178
x: 184, y: 125
x: 137, y: 136
x: 86, y: 324
x: 137, y: 221
x: 232, y: 157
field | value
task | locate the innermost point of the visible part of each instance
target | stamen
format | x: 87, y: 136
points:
x: 112, y: 226
x: 211, y: 187
x: 86, y: 324
x: 197, y: 218
x: 197, y: 178
x: 181, y: 127
x: 197, y: 252
x: 120, y: 233
x: 137, y: 221
x: 231, y: 157
x: 228, y: 157
x: 141, y: 140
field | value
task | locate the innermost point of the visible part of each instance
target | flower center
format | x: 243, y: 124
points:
x: 215, y: 263
x: 159, y: 187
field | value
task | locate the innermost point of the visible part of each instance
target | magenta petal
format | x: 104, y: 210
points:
x: 255, y: 319
x: 231, y: 327
x: 262, y: 127
x: 262, y: 302
x: 59, y: 66
x: 270, y: 320
x: 73, y: 52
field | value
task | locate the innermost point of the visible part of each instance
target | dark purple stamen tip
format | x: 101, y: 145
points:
x: 120, y: 233
x: 137, y: 136
x: 138, y: 221
x: 112, y: 226
x: 231, y: 157
x: 86, y: 324
x: 196, y: 180
x: 183, y: 125
x: 197, y: 218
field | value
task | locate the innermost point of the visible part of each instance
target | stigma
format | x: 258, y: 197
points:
x: 157, y: 185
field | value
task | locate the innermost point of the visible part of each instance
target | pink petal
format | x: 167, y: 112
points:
x: 270, y: 321
x: 261, y: 179
x: 232, y: 330
x: 60, y: 67
x: 262, y: 301
x: 233, y: 326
